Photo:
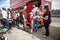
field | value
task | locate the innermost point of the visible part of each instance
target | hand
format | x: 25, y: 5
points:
x: 42, y: 17
x: 0, y: 17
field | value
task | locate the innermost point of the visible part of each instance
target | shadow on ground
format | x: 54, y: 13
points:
x: 54, y: 33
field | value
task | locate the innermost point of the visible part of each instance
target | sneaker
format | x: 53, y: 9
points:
x: 9, y: 32
x: 44, y: 36
x: 32, y: 35
x: 6, y: 38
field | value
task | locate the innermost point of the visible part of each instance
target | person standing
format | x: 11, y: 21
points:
x: 23, y: 11
x: 17, y: 18
x: 47, y: 20
x: 10, y: 17
x: 14, y: 17
x: 0, y: 16
x: 35, y: 12
x: 5, y: 19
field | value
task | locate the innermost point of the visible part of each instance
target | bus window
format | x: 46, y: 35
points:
x: 45, y: 4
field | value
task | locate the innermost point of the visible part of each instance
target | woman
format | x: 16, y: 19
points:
x: 47, y: 20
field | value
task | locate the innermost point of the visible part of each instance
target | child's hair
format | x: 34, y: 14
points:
x: 37, y: 3
x: 4, y: 8
x: 22, y: 7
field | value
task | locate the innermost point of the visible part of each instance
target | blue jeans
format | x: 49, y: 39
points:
x: 35, y: 25
x: 6, y: 24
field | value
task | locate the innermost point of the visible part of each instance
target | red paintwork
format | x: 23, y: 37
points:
x: 29, y: 7
x: 28, y: 10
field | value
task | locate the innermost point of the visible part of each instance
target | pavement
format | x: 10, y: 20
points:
x: 55, y: 22
x: 18, y: 34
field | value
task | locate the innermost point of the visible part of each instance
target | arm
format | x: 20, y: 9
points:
x: 45, y: 18
x: 47, y: 14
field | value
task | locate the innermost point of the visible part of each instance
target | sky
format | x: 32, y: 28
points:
x: 6, y: 3
x: 55, y: 4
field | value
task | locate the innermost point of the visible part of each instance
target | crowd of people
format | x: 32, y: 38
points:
x: 12, y: 17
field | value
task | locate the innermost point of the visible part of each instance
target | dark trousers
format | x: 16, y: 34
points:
x: 6, y: 24
x: 22, y: 21
x: 15, y: 22
x: 10, y: 23
x: 47, y: 29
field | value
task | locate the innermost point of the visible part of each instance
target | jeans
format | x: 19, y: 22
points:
x: 35, y: 25
x: 6, y: 24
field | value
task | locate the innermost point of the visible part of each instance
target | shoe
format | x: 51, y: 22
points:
x: 45, y: 36
x: 6, y: 38
x: 35, y: 31
x: 9, y: 32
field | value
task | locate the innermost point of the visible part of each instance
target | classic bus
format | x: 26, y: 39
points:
x: 29, y: 3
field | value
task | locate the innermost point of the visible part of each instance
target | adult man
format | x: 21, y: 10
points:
x: 5, y: 19
x: 24, y: 16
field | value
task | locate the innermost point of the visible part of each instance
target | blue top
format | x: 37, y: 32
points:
x: 47, y: 13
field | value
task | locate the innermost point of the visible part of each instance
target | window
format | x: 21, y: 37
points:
x: 45, y: 3
x: 12, y: 0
